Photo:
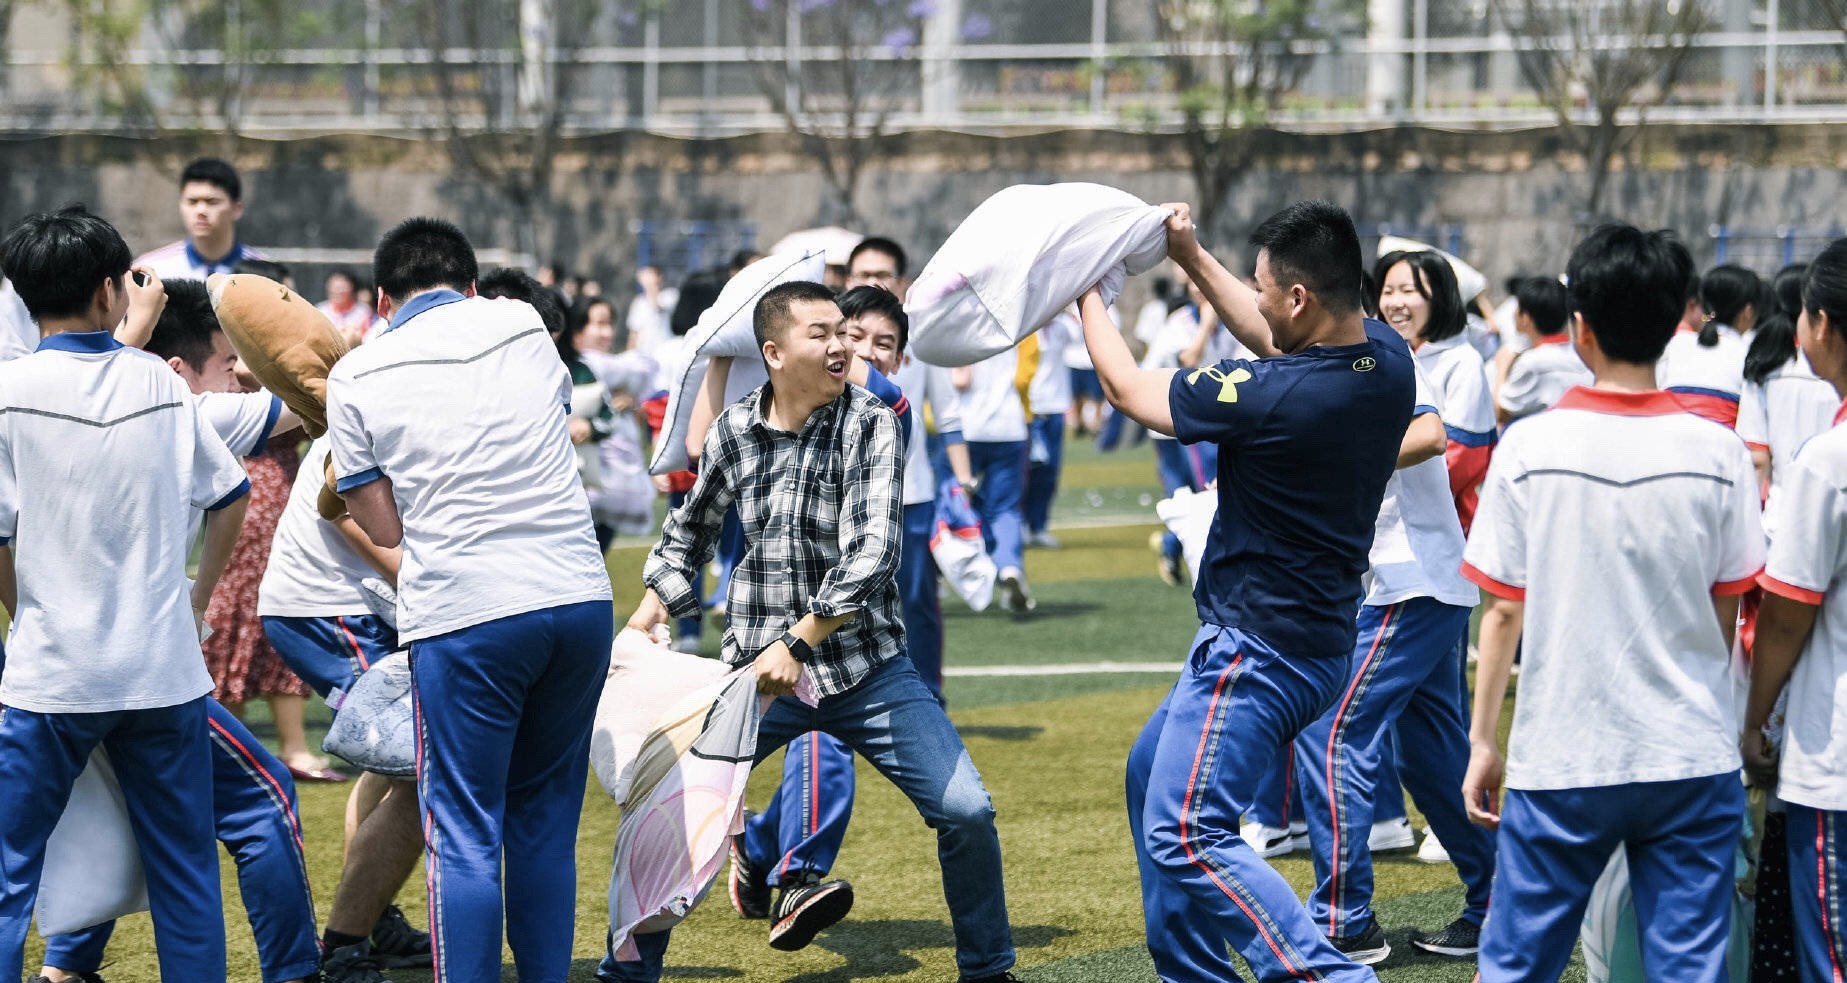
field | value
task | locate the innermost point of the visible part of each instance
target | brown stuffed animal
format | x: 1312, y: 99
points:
x: 287, y: 344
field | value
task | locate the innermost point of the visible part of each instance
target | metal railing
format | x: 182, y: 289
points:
x: 713, y: 90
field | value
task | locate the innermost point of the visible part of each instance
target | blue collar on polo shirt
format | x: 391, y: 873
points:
x: 223, y: 264
x: 81, y: 342
x: 423, y: 302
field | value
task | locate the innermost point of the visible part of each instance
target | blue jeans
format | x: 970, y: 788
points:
x: 163, y: 763
x: 1681, y: 838
x: 893, y: 721
x: 1048, y: 434
x: 1191, y: 774
x: 254, y: 815
x: 1001, y: 466
x: 1406, y: 670
x: 504, y: 710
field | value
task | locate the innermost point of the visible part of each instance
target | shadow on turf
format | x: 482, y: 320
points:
x: 876, y: 949
x: 1000, y: 732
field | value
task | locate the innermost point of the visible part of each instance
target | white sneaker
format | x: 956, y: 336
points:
x: 1431, y: 850
x: 1013, y: 593
x: 1271, y: 841
x: 1043, y: 541
x: 1391, y: 834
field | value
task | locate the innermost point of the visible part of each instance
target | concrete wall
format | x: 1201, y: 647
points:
x: 1517, y: 195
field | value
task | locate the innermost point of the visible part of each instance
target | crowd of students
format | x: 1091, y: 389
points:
x: 1637, y: 465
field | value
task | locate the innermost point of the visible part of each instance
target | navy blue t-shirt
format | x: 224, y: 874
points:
x: 1306, y: 445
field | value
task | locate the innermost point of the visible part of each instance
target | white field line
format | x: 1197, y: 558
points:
x: 1068, y: 669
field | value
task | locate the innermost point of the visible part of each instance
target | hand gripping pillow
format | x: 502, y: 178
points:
x: 287, y: 343
x: 1022, y: 256
x: 725, y: 331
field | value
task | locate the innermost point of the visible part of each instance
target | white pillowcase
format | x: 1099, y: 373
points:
x: 725, y: 331
x: 1022, y: 256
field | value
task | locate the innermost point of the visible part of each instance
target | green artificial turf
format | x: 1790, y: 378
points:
x: 1050, y: 748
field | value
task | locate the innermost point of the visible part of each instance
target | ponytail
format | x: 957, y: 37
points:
x: 1724, y: 293
x: 1774, y: 343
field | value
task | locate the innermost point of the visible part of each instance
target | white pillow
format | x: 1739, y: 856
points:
x: 725, y: 331
x: 1022, y: 256
x: 92, y: 866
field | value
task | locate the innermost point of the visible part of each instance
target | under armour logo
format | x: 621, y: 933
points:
x: 1228, y: 381
x: 1365, y: 363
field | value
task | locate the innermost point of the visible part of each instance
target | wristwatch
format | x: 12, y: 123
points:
x: 797, y: 647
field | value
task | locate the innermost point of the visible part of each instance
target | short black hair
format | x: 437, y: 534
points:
x: 1546, y: 301
x: 422, y: 254
x: 278, y: 272
x: 56, y: 260
x: 880, y: 244
x: 771, y: 316
x: 698, y: 292
x: 1314, y: 243
x: 877, y: 300
x: 186, y: 324
x: 341, y: 271
x: 1435, y: 280
x: 211, y: 170
x: 1631, y: 288
x: 519, y: 285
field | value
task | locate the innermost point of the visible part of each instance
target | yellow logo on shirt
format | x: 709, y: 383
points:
x: 1228, y: 381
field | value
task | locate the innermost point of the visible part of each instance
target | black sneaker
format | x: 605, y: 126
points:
x: 351, y: 964
x: 79, y: 978
x: 1002, y: 978
x: 750, y: 886
x: 1366, y: 948
x: 396, y: 944
x: 1459, y: 938
x: 805, y: 908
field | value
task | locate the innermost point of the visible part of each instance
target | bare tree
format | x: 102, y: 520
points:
x: 838, y: 102
x: 1233, y: 63
x: 501, y: 122
x: 1592, y: 61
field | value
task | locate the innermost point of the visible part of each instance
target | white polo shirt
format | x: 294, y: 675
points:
x: 313, y: 571
x: 1540, y: 375
x: 1460, y: 378
x: 1050, y: 390
x: 103, y: 458
x: 179, y: 261
x: 1616, y: 517
x: 1780, y: 415
x: 923, y: 385
x: 1808, y: 563
x: 244, y: 421
x: 462, y: 405
x: 1709, y: 380
x: 1417, y: 541
x: 992, y: 411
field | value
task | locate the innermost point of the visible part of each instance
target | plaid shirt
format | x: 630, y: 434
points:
x: 823, y: 522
